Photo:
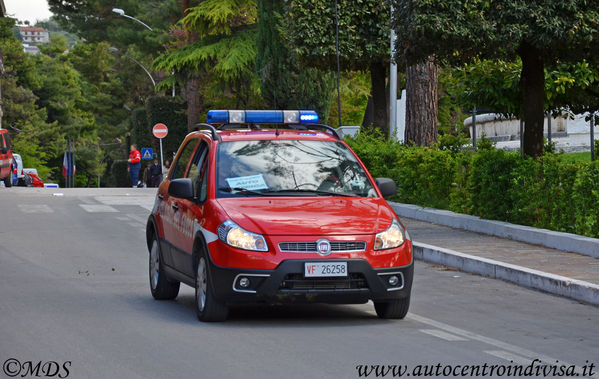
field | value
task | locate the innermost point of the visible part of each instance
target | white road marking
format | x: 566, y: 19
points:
x: 86, y: 200
x: 98, y: 208
x: 529, y: 354
x: 122, y: 218
x: 146, y: 202
x: 35, y: 208
x: 443, y: 335
x: 508, y: 356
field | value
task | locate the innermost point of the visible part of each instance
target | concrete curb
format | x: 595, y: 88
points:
x: 548, y: 238
x: 522, y: 276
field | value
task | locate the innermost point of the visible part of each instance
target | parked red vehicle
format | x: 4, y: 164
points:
x: 6, y: 158
x: 31, y: 179
x: 285, y: 213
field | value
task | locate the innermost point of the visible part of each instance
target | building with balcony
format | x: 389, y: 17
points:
x: 33, y: 34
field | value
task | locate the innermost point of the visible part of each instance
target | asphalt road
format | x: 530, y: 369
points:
x: 74, y: 288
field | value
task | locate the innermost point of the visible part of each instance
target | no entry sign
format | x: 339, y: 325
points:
x: 160, y: 130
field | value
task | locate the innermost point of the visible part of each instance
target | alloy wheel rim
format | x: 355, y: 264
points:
x: 154, y: 264
x: 201, y: 284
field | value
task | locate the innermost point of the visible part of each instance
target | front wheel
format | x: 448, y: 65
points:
x: 208, y: 308
x: 162, y: 288
x: 395, y: 309
x: 8, y: 181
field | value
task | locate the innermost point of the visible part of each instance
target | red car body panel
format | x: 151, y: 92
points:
x: 6, y: 159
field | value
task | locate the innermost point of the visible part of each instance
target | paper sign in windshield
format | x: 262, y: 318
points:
x: 253, y: 182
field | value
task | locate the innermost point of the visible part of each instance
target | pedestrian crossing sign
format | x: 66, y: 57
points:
x: 146, y: 153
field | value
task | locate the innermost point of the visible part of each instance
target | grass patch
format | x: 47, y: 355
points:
x: 584, y: 156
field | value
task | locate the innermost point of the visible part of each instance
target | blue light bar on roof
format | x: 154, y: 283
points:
x: 261, y: 117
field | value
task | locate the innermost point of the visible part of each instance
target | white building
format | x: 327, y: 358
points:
x: 31, y: 49
x: 34, y: 34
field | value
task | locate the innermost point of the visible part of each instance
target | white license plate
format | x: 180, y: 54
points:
x: 325, y: 269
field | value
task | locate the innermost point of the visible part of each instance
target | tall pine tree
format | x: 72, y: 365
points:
x: 283, y: 82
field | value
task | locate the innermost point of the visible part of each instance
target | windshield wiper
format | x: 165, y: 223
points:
x: 241, y: 190
x: 315, y: 191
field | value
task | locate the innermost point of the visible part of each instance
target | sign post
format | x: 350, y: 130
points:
x: 160, y: 131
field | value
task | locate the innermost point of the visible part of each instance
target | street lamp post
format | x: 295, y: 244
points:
x: 115, y: 50
x: 121, y: 12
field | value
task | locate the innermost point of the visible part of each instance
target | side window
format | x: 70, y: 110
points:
x: 201, y: 188
x: 181, y: 163
x: 197, y: 172
x: 7, y: 140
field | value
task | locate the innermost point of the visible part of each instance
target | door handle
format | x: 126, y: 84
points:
x: 175, y: 207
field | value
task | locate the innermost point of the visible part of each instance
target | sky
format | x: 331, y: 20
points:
x: 32, y: 10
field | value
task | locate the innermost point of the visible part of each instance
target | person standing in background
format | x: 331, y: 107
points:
x: 134, y: 165
x: 145, y: 179
x: 155, y: 174
x: 166, y: 167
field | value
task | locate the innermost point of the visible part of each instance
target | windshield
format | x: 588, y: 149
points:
x: 289, y: 168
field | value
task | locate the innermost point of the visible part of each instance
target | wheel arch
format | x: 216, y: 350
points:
x: 151, y: 230
x: 199, y: 247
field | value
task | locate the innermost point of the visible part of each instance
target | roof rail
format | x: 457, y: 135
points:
x: 203, y: 126
x: 238, y: 126
x: 326, y: 128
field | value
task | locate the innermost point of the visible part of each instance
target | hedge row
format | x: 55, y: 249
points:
x: 490, y: 183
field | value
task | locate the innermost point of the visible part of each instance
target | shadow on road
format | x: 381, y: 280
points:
x: 305, y: 315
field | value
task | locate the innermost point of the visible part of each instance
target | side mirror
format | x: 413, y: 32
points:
x: 3, y: 150
x: 386, y: 186
x: 181, y: 188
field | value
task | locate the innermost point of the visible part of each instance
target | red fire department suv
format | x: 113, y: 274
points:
x: 6, y: 158
x: 268, y: 206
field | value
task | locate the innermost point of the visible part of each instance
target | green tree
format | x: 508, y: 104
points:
x: 57, y: 46
x: 94, y: 21
x: 363, y: 41
x: 217, y: 44
x: 284, y: 84
x: 494, y: 84
x: 542, y: 34
x: 33, y: 137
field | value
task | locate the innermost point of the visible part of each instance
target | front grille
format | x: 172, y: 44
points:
x: 348, y: 246
x: 310, y: 247
x: 298, y: 282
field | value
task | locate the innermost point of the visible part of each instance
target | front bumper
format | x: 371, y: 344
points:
x: 286, y: 284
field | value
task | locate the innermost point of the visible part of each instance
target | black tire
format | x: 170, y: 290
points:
x: 161, y: 286
x: 8, y: 181
x: 208, y: 308
x: 396, y: 309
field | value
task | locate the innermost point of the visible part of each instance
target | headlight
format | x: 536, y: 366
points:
x: 390, y: 238
x: 234, y: 235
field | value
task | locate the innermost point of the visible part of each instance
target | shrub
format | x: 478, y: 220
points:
x: 546, y: 193
x: 490, y: 182
x: 585, y: 199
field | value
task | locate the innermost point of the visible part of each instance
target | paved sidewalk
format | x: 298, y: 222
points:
x: 534, y: 257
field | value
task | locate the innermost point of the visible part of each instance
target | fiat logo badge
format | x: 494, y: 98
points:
x: 323, y: 247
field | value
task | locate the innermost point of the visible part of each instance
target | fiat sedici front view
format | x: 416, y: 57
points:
x: 271, y: 207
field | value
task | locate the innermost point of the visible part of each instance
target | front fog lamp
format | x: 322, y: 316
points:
x: 390, y: 238
x: 234, y: 235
